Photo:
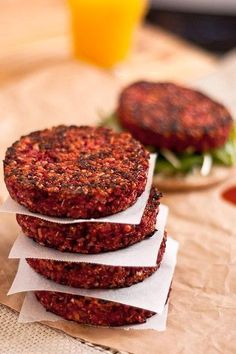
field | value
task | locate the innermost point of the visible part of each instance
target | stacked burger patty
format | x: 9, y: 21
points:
x: 83, y: 173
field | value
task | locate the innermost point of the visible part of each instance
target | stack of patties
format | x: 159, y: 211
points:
x: 83, y: 173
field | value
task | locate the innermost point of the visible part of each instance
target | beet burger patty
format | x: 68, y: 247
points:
x: 77, y: 172
x: 91, y: 311
x: 89, y: 276
x: 92, y: 237
x: 168, y: 116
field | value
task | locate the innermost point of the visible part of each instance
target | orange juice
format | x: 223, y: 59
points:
x: 103, y: 29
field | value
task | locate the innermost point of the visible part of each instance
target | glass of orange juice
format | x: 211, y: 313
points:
x: 102, y: 30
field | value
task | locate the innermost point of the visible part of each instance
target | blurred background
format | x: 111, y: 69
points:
x: 65, y: 61
x: 206, y: 22
x: 210, y: 24
x: 56, y: 53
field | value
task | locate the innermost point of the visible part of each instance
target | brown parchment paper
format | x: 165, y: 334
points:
x: 202, y: 312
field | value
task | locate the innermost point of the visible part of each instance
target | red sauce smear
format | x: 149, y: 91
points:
x: 230, y: 195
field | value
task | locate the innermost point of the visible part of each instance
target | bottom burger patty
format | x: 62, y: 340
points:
x: 92, y: 237
x: 91, y: 311
x: 87, y: 275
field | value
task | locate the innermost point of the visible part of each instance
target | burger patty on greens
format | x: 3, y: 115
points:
x: 185, y: 127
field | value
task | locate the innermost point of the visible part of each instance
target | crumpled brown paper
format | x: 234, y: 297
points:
x: 202, y: 312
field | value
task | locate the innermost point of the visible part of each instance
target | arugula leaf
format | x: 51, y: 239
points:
x: 226, y: 155
x: 188, y: 161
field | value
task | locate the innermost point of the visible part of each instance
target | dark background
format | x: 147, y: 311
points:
x: 214, y: 32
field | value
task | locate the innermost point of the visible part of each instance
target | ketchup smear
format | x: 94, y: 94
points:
x: 230, y: 195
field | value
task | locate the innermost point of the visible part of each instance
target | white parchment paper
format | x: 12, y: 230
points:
x: 33, y: 311
x: 141, y: 254
x: 132, y: 215
x: 151, y: 294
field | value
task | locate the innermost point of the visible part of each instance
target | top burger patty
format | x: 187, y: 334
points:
x: 172, y: 117
x: 77, y: 172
